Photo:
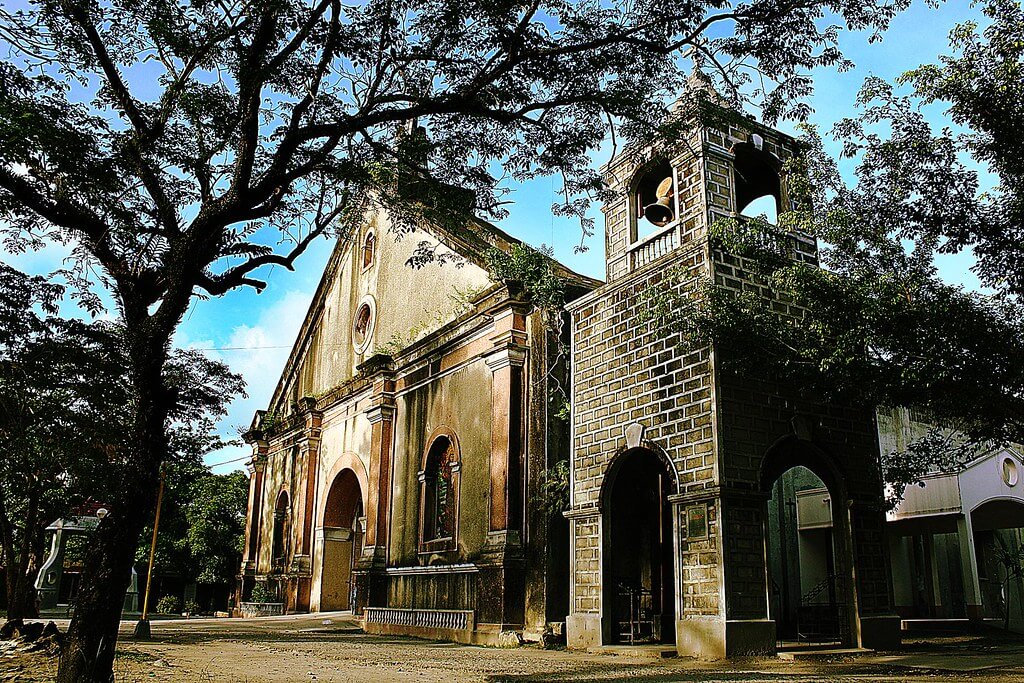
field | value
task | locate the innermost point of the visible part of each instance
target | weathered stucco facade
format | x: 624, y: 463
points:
x: 696, y: 447
x: 409, y: 429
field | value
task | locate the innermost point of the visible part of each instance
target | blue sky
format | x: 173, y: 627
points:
x: 253, y: 333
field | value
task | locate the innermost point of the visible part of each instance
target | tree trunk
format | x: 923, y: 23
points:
x: 7, y: 542
x: 88, y: 653
x: 24, y: 607
x: 20, y: 574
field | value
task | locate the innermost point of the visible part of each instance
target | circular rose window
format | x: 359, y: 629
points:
x: 362, y: 324
x: 1010, y: 471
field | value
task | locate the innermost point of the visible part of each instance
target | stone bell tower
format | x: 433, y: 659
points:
x: 674, y: 458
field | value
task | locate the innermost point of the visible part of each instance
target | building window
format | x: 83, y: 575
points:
x: 757, y: 181
x: 280, y: 540
x: 369, y: 249
x: 439, y: 499
x: 363, y: 323
x: 1009, y: 471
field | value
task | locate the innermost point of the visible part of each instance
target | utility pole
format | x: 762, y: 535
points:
x: 142, y: 627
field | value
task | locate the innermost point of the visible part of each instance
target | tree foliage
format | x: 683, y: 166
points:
x: 202, y: 525
x: 876, y: 324
x: 183, y: 148
x: 64, y: 403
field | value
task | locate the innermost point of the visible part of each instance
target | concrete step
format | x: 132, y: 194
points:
x: 813, y: 652
x: 636, y: 651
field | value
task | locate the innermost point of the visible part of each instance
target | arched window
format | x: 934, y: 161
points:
x: 369, y: 249
x: 281, y: 532
x: 654, y: 198
x: 757, y: 181
x: 439, y: 499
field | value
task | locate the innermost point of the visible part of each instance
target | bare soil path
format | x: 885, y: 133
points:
x: 331, y: 649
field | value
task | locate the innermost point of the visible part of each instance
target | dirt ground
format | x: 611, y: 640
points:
x: 328, y: 648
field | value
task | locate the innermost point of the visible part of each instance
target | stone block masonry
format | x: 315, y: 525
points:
x: 717, y: 440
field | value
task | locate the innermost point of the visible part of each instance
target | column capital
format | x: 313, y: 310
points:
x: 382, y: 401
x: 256, y: 466
x: 511, y: 356
x: 582, y: 513
x: 377, y: 364
x: 379, y: 413
x: 511, y: 297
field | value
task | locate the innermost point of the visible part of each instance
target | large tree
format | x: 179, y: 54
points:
x: 878, y: 324
x: 183, y: 147
x: 63, y: 418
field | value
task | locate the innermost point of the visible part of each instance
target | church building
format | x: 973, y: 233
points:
x: 403, y: 466
x: 395, y: 469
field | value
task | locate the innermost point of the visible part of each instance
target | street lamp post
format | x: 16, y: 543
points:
x: 142, y: 627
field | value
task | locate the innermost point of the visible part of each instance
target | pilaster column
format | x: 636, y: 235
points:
x: 381, y: 416
x: 304, y: 507
x: 370, y: 579
x: 502, y: 574
x: 969, y: 562
x: 309, y: 453
x: 506, y: 360
x: 255, y: 467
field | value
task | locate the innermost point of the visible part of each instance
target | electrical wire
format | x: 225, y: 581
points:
x: 228, y: 462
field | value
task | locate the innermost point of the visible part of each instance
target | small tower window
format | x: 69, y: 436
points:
x: 655, y: 198
x: 369, y: 249
x: 758, y: 184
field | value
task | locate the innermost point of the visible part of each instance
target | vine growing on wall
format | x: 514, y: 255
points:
x: 460, y: 301
x: 553, y: 498
x: 532, y: 272
x: 531, y: 269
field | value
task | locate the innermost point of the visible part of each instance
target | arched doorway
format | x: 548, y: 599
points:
x: 808, y: 548
x: 639, y: 571
x: 802, y: 576
x: 342, y: 540
x: 998, y: 529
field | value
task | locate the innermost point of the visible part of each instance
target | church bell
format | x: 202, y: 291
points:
x: 660, y: 212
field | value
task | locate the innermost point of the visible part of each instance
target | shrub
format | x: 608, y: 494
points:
x: 191, y: 607
x: 261, y: 592
x: 169, y: 604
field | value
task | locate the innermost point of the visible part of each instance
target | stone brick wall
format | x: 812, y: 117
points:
x: 626, y: 373
x: 753, y: 416
x: 716, y: 429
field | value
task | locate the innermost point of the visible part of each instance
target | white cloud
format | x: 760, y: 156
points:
x: 258, y: 352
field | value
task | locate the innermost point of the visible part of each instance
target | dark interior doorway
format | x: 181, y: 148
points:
x: 802, y: 576
x: 639, y: 567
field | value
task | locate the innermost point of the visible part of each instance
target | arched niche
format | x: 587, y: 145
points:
x: 280, y: 539
x: 439, y: 477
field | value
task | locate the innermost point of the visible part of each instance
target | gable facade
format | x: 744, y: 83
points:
x: 393, y: 468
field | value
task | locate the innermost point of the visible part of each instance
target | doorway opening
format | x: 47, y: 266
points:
x: 639, y: 568
x: 342, y: 542
x: 803, y: 579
